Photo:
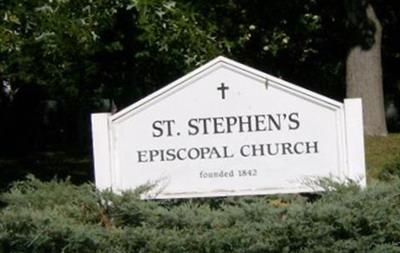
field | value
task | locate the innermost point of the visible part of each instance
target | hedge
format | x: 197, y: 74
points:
x: 58, y: 216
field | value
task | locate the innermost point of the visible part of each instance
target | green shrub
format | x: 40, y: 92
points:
x: 61, y: 217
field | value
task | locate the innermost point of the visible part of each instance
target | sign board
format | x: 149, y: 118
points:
x: 228, y: 129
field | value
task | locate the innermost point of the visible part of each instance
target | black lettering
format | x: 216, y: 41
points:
x: 312, y: 145
x: 158, y: 131
x: 259, y: 149
x: 195, y: 155
x: 162, y: 155
x: 297, y: 147
x: 153, y: 153
x: 141, y: 155
x: 204, y: 151
x: 294, y: 121
x: 269, y: 149
x: 171, y: 154
x: 260, y: 123
x: 226, y: 153
x: 169, y: 126
x: 205, y: 127
x: 179, y: 154
x: 286, y: 148
x: 242, y: 151
x: 192, y: 126
x: 243, y: 123
x: 214, y: 152
x: 273, y: 121
x: 230, y: 122
x: 218, y: 125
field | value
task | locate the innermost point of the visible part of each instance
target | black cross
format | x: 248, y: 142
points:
x: 223, y: 88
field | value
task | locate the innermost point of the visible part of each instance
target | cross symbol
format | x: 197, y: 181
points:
x: 223, y: 88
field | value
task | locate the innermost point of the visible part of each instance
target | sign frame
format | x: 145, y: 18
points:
x: 348, y: 120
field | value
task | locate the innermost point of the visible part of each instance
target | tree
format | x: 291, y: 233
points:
x: 80, y: 53
x: 292, y: 39
x: 289, y: 39
x: 364, y: 69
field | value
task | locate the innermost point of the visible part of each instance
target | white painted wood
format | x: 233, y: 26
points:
x: 217, y: 63
x: 163, y: 138
x: 102, y: 149
x: 355, y: 140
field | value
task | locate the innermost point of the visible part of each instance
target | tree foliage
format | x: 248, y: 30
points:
x: 288, y: 39
x: 66, y: 59
x: 126, y: 49
x: 86, y: 49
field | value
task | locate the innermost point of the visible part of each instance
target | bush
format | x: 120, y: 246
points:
x: 61, y: 217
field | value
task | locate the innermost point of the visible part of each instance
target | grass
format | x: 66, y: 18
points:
x: 381, y: 154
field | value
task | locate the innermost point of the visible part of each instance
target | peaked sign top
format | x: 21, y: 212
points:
x: 222, y: 62
x: 228, y: 129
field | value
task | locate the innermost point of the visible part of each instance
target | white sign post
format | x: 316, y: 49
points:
x: 228, y: 129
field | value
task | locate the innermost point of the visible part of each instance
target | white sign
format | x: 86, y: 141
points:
x: 228, y: 129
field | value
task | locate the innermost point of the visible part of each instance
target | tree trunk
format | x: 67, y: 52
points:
x: 364, y: 79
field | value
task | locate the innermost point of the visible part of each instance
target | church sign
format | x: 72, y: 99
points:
x: 228, y: 129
